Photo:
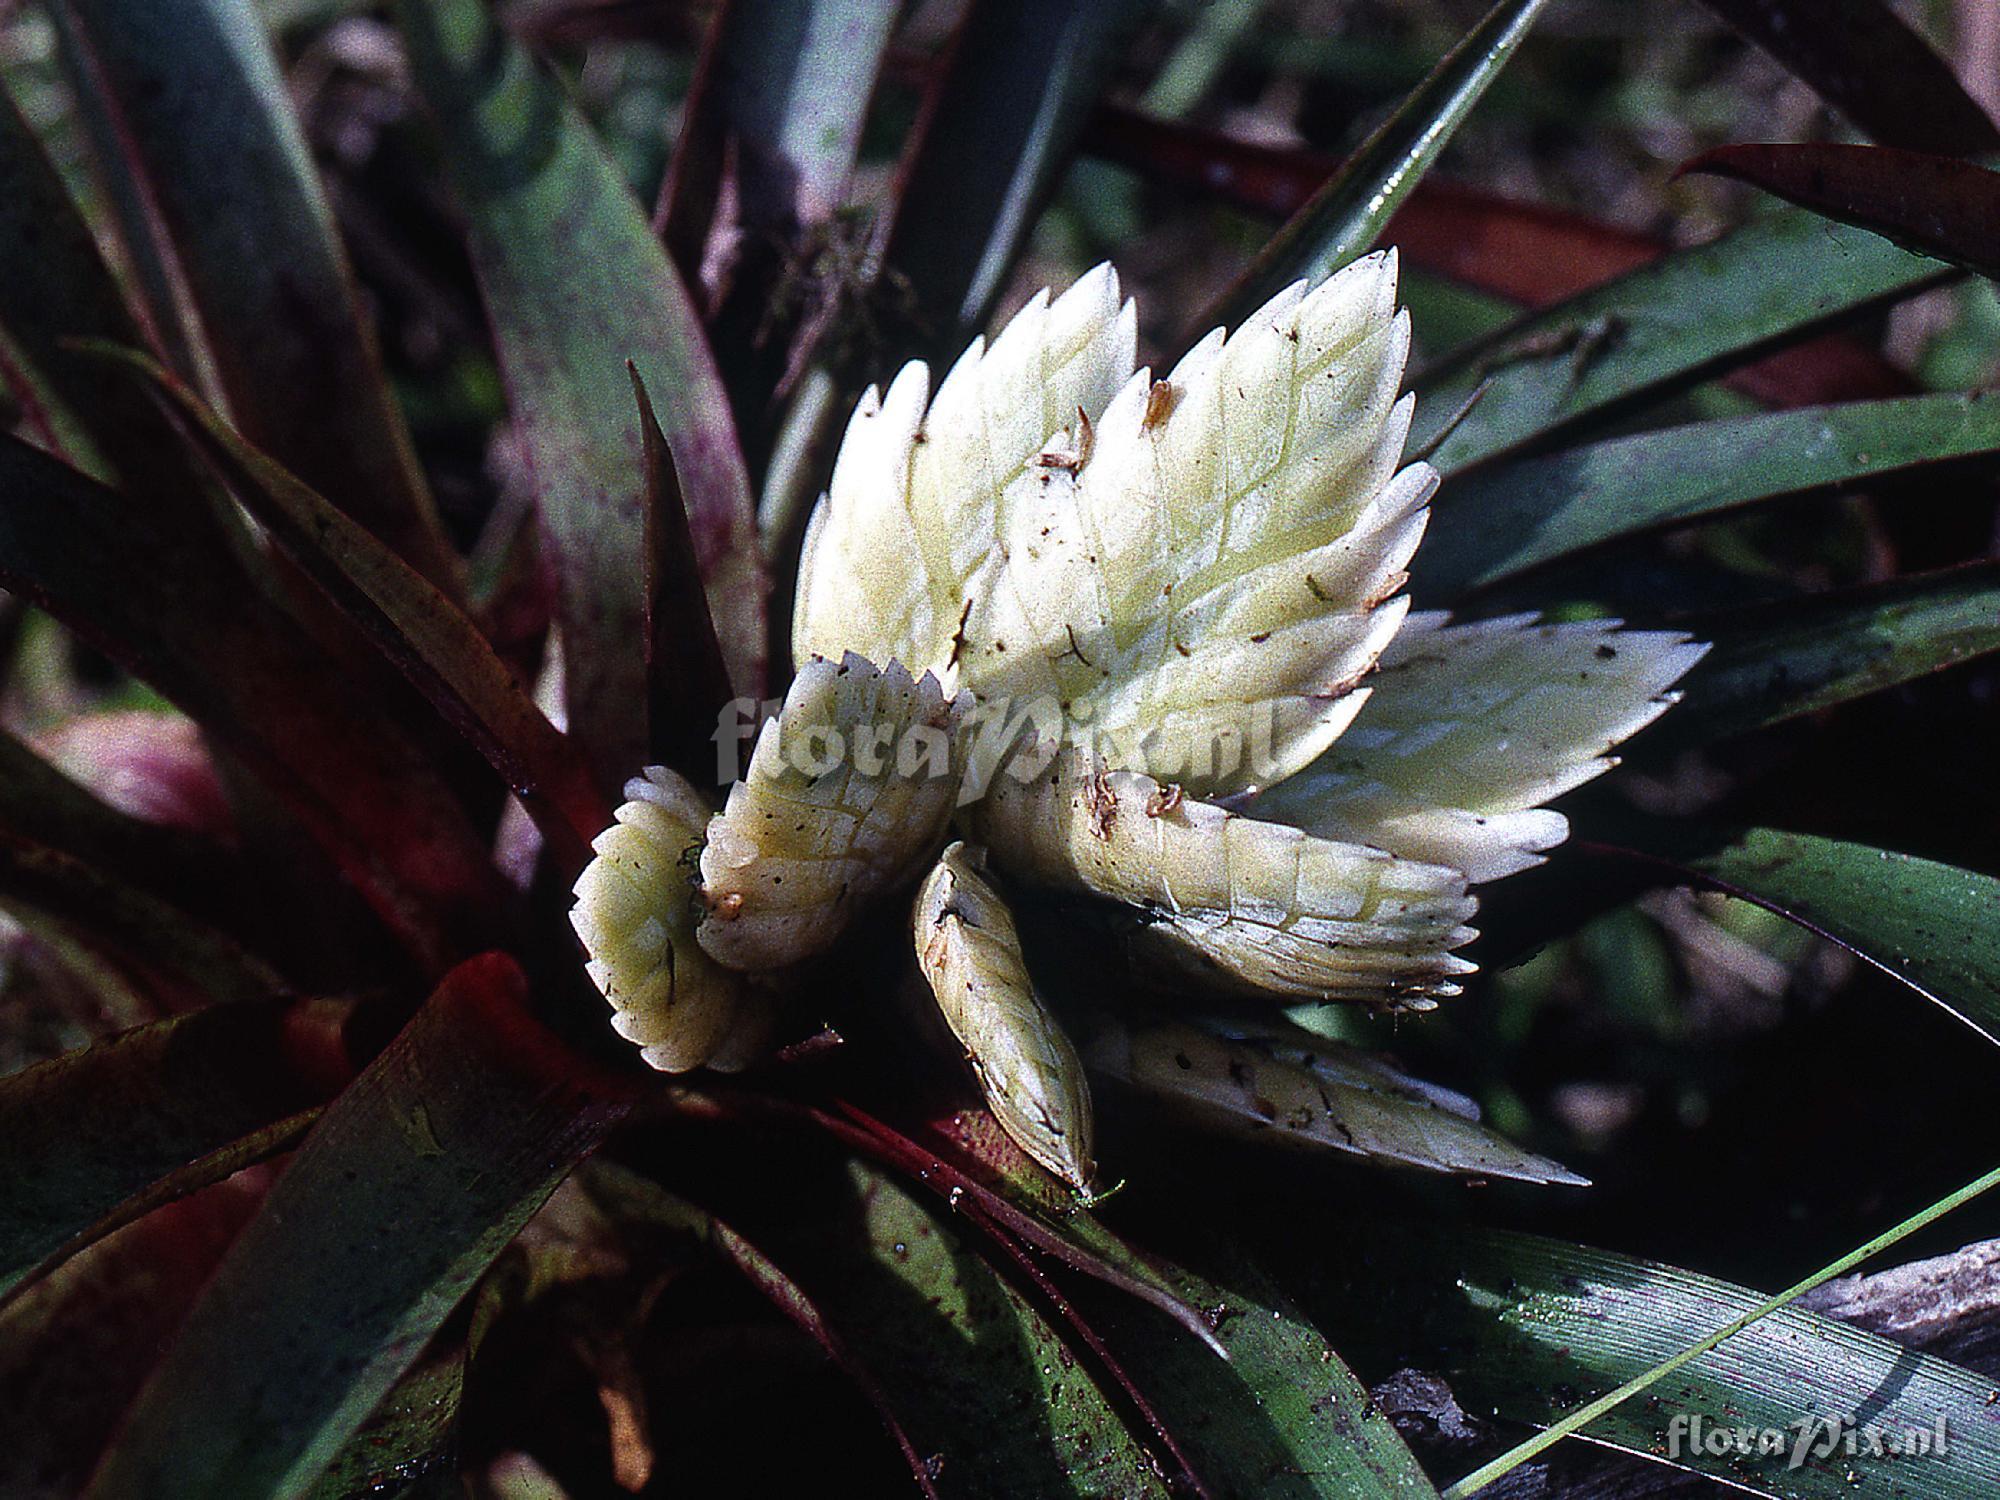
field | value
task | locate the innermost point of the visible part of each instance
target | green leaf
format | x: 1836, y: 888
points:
x: 977, y: 1375
x: 415, y: 625
x: 1284, y: 1417
x: 1347, y: 214
x: 408, y: 1447
x: 1935, y: 205
x: 1648, y: 334
x: 1777, y: 661
x: 1528, y: 1327
x: 88, y: 1130
x: 205, y: 127
x: 1868, y: 63
x: 1025, y: 1199
x: 1929, y: 925
x: 1498, y: 521
x: 413, y: 1180
x: 1020, y: 80
x: 642, y: 1209
x: 168, y: 606
x: 576, y: 285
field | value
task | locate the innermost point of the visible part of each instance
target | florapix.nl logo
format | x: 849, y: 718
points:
x: 1807, y: 1439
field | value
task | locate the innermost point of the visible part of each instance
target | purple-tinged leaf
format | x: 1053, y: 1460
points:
x: 413, y: 1180
x: 576, y: 285
x: 205, y: 125
x: 415, y: 625
x: 87, y: 1131
x: 1935, y: 205
x: 180, y: 616
x: 1866, y: 62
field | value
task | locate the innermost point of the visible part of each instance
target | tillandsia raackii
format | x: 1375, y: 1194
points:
x: 1143, y: 640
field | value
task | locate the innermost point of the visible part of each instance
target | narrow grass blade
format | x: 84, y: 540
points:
x: 1953, y: 1474
x: 1349, y: 213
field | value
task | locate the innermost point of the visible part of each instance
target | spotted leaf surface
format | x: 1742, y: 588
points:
x: 1287, y: 1086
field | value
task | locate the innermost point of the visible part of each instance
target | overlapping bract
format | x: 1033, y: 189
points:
x: 970, y: 954
x: 1255, y: 905
x: 635, y: 915
x: 1159, y: 627
x: 1214, y: 556
x: 848, y: 794
x: 1471, y: 728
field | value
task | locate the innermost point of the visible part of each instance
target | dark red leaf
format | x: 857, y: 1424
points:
x: 171, y: 610
x: 1934, y: 205
x: 687, y: 681
x: 414, y: 624
x: 1526, y: 252
x: 1867, y: 63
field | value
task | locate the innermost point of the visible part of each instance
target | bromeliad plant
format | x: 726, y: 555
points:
x: 1113, y: 743
x: 1203, y: 572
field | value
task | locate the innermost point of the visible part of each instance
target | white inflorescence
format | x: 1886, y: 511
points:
x: 1182, y: 599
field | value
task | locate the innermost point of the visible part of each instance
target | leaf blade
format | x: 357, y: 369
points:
x: 534, y: 183
x: 1933, y: 205
x: 207, y: 128
x: 413, y: 1180
x: 1351, y: 210
x: 1689, y: 314
x: 1496, y: 522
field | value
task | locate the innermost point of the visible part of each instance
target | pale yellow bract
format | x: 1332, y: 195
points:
x: 1180, y: 599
